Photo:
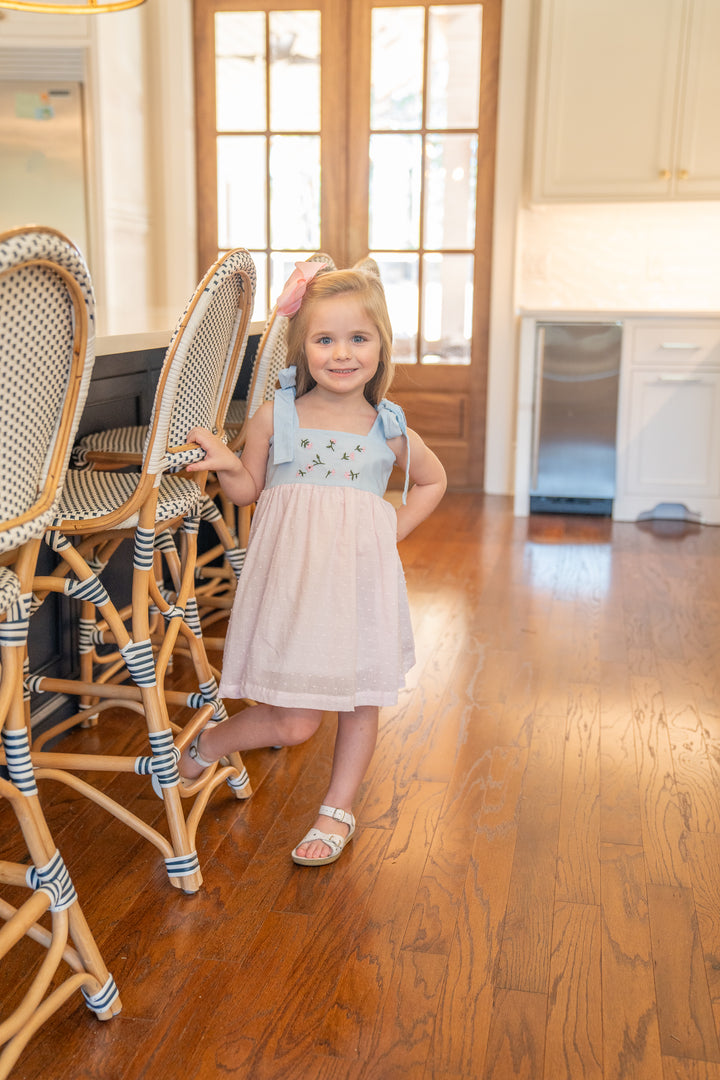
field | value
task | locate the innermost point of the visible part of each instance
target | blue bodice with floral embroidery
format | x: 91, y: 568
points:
x: 331, y: 458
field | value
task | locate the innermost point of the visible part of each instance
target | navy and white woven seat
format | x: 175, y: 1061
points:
x: 147, y: 506
x: 47, y: 350
x: 90, y: 495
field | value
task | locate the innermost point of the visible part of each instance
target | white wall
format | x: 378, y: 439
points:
x: 141, y: 175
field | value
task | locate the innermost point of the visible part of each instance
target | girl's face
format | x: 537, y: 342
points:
x: 342, y: 345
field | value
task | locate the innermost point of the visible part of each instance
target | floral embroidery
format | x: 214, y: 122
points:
x: 317, y: 460
x: 331, y: 445
x: 306, y: 444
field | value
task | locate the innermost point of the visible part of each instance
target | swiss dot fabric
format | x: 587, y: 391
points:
x: 321, y: 618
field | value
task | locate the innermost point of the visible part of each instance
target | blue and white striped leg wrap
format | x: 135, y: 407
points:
x: 209, y: 510
x: 192, y: 616
x: 96, y: 564
x: 164, y: 541
x: 105, y: 997
x: 164, y: 760
x: 238, y: 782
x: 56, y: 540
x: 209, y: 695
x: 90, y: 589
x: 89, y: 635
x: 144, y: 548
x: 191, y: 524
x: 26, y: 679
x: 236, y: 557
x: 19, y: 764
x: 14, y: 631
x: 183, y: 865
x: 53, y: 879
x: 138, y: 657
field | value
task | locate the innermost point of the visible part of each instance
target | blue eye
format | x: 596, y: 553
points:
x: 324, y: 340
x: 358, y: 338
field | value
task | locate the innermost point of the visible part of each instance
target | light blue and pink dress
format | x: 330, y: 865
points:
x: 321, y: 618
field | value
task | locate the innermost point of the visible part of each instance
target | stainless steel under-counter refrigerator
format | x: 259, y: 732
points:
x: 575, y: 417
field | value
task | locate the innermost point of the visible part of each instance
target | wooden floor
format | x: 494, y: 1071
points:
x: 534, y: 888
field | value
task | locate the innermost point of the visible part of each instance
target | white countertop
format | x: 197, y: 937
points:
x: 610, y: 314
x: 134, y: 331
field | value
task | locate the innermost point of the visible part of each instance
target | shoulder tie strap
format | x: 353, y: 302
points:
x: 284, y: 417
x: 394, y: 424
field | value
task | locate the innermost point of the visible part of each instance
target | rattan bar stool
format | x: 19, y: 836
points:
x: 232, y: 523
x: 101, y: 508
x: 47, y: 351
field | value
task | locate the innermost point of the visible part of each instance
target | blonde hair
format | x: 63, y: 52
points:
x: 368, y: 289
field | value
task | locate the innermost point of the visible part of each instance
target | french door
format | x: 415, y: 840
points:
x: 356, y: 127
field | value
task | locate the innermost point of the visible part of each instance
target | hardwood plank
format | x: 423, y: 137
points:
x: 517, y: 1036
x: 682, y: 1069
x: 367, y: 975
x: 463, y: 1020
x: 687, y: 1026
x: 573, y: 1043
x: 620, y: 813
x: 631, y: 1038
x: 524, y: 958
x: 704, y: 854
x: 578, y: 864
x: 662, y: 814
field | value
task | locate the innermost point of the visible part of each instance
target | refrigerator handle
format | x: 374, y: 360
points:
x: 537, y: 403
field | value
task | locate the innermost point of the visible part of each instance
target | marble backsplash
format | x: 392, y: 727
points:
x: 621, y: 256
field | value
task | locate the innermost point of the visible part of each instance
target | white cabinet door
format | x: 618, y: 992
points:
x: 697, y: 165
x: 607, y: 79
x: 627, y: 100
x: 673, y: 452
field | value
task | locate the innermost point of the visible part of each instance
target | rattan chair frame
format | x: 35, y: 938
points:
x: 137, y: 518
x: 68, y: 940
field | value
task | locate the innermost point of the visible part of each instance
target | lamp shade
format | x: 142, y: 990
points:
x: 83, y: 7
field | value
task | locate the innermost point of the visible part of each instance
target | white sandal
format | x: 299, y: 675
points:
x: 334, y: 841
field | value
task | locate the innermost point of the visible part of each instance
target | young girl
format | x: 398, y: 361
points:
x: 320, y: 619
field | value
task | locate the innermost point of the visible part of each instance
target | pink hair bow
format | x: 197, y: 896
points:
x: 293, y: 292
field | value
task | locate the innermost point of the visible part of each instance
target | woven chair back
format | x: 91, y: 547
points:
x: 203, y: 359
x: 47, y: 351
x: 272, y: 352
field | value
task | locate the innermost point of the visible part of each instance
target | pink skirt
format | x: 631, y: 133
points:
x: 321, y: 617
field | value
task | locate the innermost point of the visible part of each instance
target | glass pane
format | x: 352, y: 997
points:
x: 240, y: 71
x: 455, y: 35
x: 396, y: 77
x: 394, y: 207
x: 450, y: 182
x: 399, y: 274
x: 260, y: 310
x: 447, y: 309
x: 295, y: 71
x: 241, y: 191
x: 295, y: 191
x: 282, y: 264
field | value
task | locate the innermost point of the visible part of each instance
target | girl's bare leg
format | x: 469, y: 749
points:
x: 254, y: 727
x: 354, y: 747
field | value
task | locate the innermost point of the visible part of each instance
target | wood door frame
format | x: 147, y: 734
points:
x: 423, y: 389
x: 446, y: 403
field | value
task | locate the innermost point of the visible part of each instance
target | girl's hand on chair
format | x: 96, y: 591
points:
x: 217, y: 455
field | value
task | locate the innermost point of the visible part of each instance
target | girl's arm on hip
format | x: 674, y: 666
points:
x: 427, y: 477
x: 241, y: 478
